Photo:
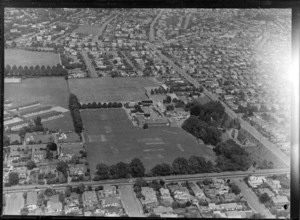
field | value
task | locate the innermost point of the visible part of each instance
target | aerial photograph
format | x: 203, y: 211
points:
x: 147, y: 112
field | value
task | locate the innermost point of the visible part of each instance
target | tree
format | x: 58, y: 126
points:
x: 145, y: 126
x: 13, y: 178
x: 62, y: 166
x: 24, y: 211
x: 235, y: 189
x: 137, y: 168
x: 61, y: 198
x: 162, y: 170
x: 103, y: 171
x: 30, y: 165
x: 168, y: 99
x: 152, y: 92
x: 69, y: 190
x: 49, y: 155
x: 38, y: 121
x: 180, y: 166
x: 264, y: 198
x: 52, y: 146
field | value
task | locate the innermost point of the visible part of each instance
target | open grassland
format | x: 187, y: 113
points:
x: 30, y: 58
x: 107, y: 89
x: 110, y: 138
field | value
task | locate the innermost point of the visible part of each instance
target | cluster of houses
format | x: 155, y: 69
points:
x: 214, y: 198
x: 272, y: 187
x: 34, y: 148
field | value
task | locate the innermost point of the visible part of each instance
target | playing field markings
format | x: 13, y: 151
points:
x: 103, y: 139
x: 149, y: 140
x: 170, y: 132
x: 153, y: 150
x: 108, y: 129
x: 114, y: 149
x: 155, y: 143
x: 180, y: 147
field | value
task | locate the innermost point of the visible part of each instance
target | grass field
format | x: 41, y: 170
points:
x: 110, y: 138
x: 46, y: 90
x: 87, y: 29
x: 107, y: 89
x: 30, y: 58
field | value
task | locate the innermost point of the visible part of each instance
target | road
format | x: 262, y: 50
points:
x: 244, y: 125
x: 187, y: 21
x: 129, y: 61
x: 102, y: 28
x: 252, y: 199
x: 132, y: 206
x: 151, y: 32
x: 89, y: 64
x: 29, y: 15
x: 120, y: 182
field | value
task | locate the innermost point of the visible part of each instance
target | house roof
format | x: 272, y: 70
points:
x: 111, y: 201
x: 280, y: 199
x: 162, y: 209
x: 89, y: 196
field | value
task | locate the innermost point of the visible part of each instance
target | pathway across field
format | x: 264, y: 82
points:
x: 112, y: 138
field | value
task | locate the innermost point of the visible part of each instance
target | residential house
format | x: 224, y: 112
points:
x: 198, y: 192
x: 166, y: 196
x: 220, y: 214
x: 274, y: 184
x: 255, y: 181
x: 54, y: 205
x: 111, y: 202
x: 22, y: 171
x: 72, y: 204
x: 229, y: 197
x: 77, y: 169
x: 280, y: 200
x: 235, y: 214
x: 150, y: 199
x: 162, y: 210
x: 89, y: 199
x: 109, y: 190
x: 231, y: 206
x: 31, y: 201
x: 181, y: 194
x: 114, y: 212
x: 266, y: 190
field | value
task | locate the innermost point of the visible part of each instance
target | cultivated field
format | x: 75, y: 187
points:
x: 87, y: 29
x: 110, y: 138
x: 30, y: 58
x: 107, y: 89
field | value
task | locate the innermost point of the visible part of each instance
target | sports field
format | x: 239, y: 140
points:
x: 48, y: 91
x: 85, y: 29
x: 110, y: 138
x: 107, y: 89
x: 30, y: 58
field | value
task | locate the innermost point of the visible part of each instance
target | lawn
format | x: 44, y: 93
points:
x: 107, y: 89
x: 85, y: 29
x: 110, y: 138
x: 30, y: 58
x: 14, y: 202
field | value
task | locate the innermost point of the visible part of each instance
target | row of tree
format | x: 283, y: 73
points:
x: 120, y: 170
x: 74, y: 107
x: 35, y: 71
x: 101, y: 105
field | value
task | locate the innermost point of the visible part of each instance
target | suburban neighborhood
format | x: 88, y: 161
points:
x: 147, y: 112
